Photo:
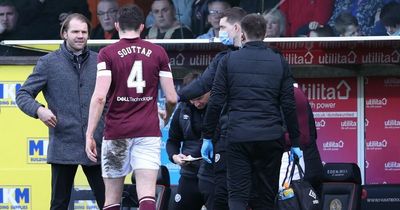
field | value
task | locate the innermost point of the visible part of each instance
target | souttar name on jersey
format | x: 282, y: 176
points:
x: 134, y: 99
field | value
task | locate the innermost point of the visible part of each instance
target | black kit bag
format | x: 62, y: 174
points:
x: 300, y: 195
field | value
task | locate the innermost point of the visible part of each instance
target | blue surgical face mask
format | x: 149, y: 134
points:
x: 224, y: 37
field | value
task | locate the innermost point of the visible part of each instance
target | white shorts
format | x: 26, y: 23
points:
x: 121, y: 157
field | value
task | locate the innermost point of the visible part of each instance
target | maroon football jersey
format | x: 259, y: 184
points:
x: 136, y: 66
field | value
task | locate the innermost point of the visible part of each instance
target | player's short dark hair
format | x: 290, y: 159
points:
x: 188, y: 78
x: 390, y: 14
x: 130, y: 17
x: 65, y: 24
x: 234, y: 14
x: 254, y: 26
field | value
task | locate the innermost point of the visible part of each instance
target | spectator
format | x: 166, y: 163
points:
x: 305, y: 12
x: 166, y: 26
x: 72, y: 68
x: 196, y: 186
x: 183, y: 13
x: 42, y: 18
x: 9, y: 28
x: 347, y: 25
x: 215, y: 10
x: 107, y: 14
x: 129, y: 72
x: 390, y: 17
x: 379, y: 29
x: 363, y: 10
x: 276, y: 23
x: 254, y: 133
x: 322, y: 31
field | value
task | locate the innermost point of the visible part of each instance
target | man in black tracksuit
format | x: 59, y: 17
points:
x: 185, y: 139
x: 255, y: 83
x: 231, y: 22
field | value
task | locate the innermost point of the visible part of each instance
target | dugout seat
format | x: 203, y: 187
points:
x: 163, y: 191
x: 341, y: 187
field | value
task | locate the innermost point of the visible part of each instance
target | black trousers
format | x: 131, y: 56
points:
x: 314, y: 167
x: 221, y: 191
x: 206, y: 189
x: 253, y: 167
x: 188, y: 195
x: 62, y: 181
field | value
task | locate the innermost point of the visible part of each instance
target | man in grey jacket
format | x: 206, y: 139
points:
x: 67, y: 79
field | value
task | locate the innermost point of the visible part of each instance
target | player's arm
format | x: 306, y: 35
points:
x: 167, y: 85
x: 97, y: 103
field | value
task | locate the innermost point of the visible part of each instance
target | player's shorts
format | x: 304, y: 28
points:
x: 121, y: 157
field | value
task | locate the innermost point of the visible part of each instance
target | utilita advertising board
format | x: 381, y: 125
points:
x: 334, y: 104
x: 382, y: 126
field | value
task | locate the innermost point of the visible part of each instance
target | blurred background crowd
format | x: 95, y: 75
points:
x: 189, y: 19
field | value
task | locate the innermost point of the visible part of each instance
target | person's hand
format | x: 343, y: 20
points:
x: 47, y: 117
x: 162, y: 114
x: 295, y: 151
x: 313, y: 25
x: 207, y: 150
x: 90, y: 148
x: 178, y: 159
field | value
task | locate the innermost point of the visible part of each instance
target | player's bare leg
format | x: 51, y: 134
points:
x: 146, y: 188
x: 114, y: 188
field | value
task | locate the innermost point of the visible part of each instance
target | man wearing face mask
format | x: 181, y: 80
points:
x: 254, y: 136
x: 229, y: 35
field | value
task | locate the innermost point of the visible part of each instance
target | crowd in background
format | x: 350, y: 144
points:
x: 188, y: 19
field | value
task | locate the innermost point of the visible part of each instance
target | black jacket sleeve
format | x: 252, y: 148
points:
x: 217, y: 99
x: 202, y: 84
x: 175, y: 135
x: 288, y: 104
x: 311, y: 124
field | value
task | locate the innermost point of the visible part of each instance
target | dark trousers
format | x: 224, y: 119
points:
x: 188, y: 195
x: 314, y: 167
x: 221, y: 191
x: 62, y: 181
x: 206, y: 189
x: 253, y: 166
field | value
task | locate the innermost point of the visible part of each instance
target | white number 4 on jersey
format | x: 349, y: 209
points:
x: 135, y: 79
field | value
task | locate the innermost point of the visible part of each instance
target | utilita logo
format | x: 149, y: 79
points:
x: 320, y: 91
x: 376, y: 103
x: 392, y: 82
x: 333, y: 145
x: 392, y: 166
x: 376, y: 144
x: 348, y: 125
x: 392, y: 124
